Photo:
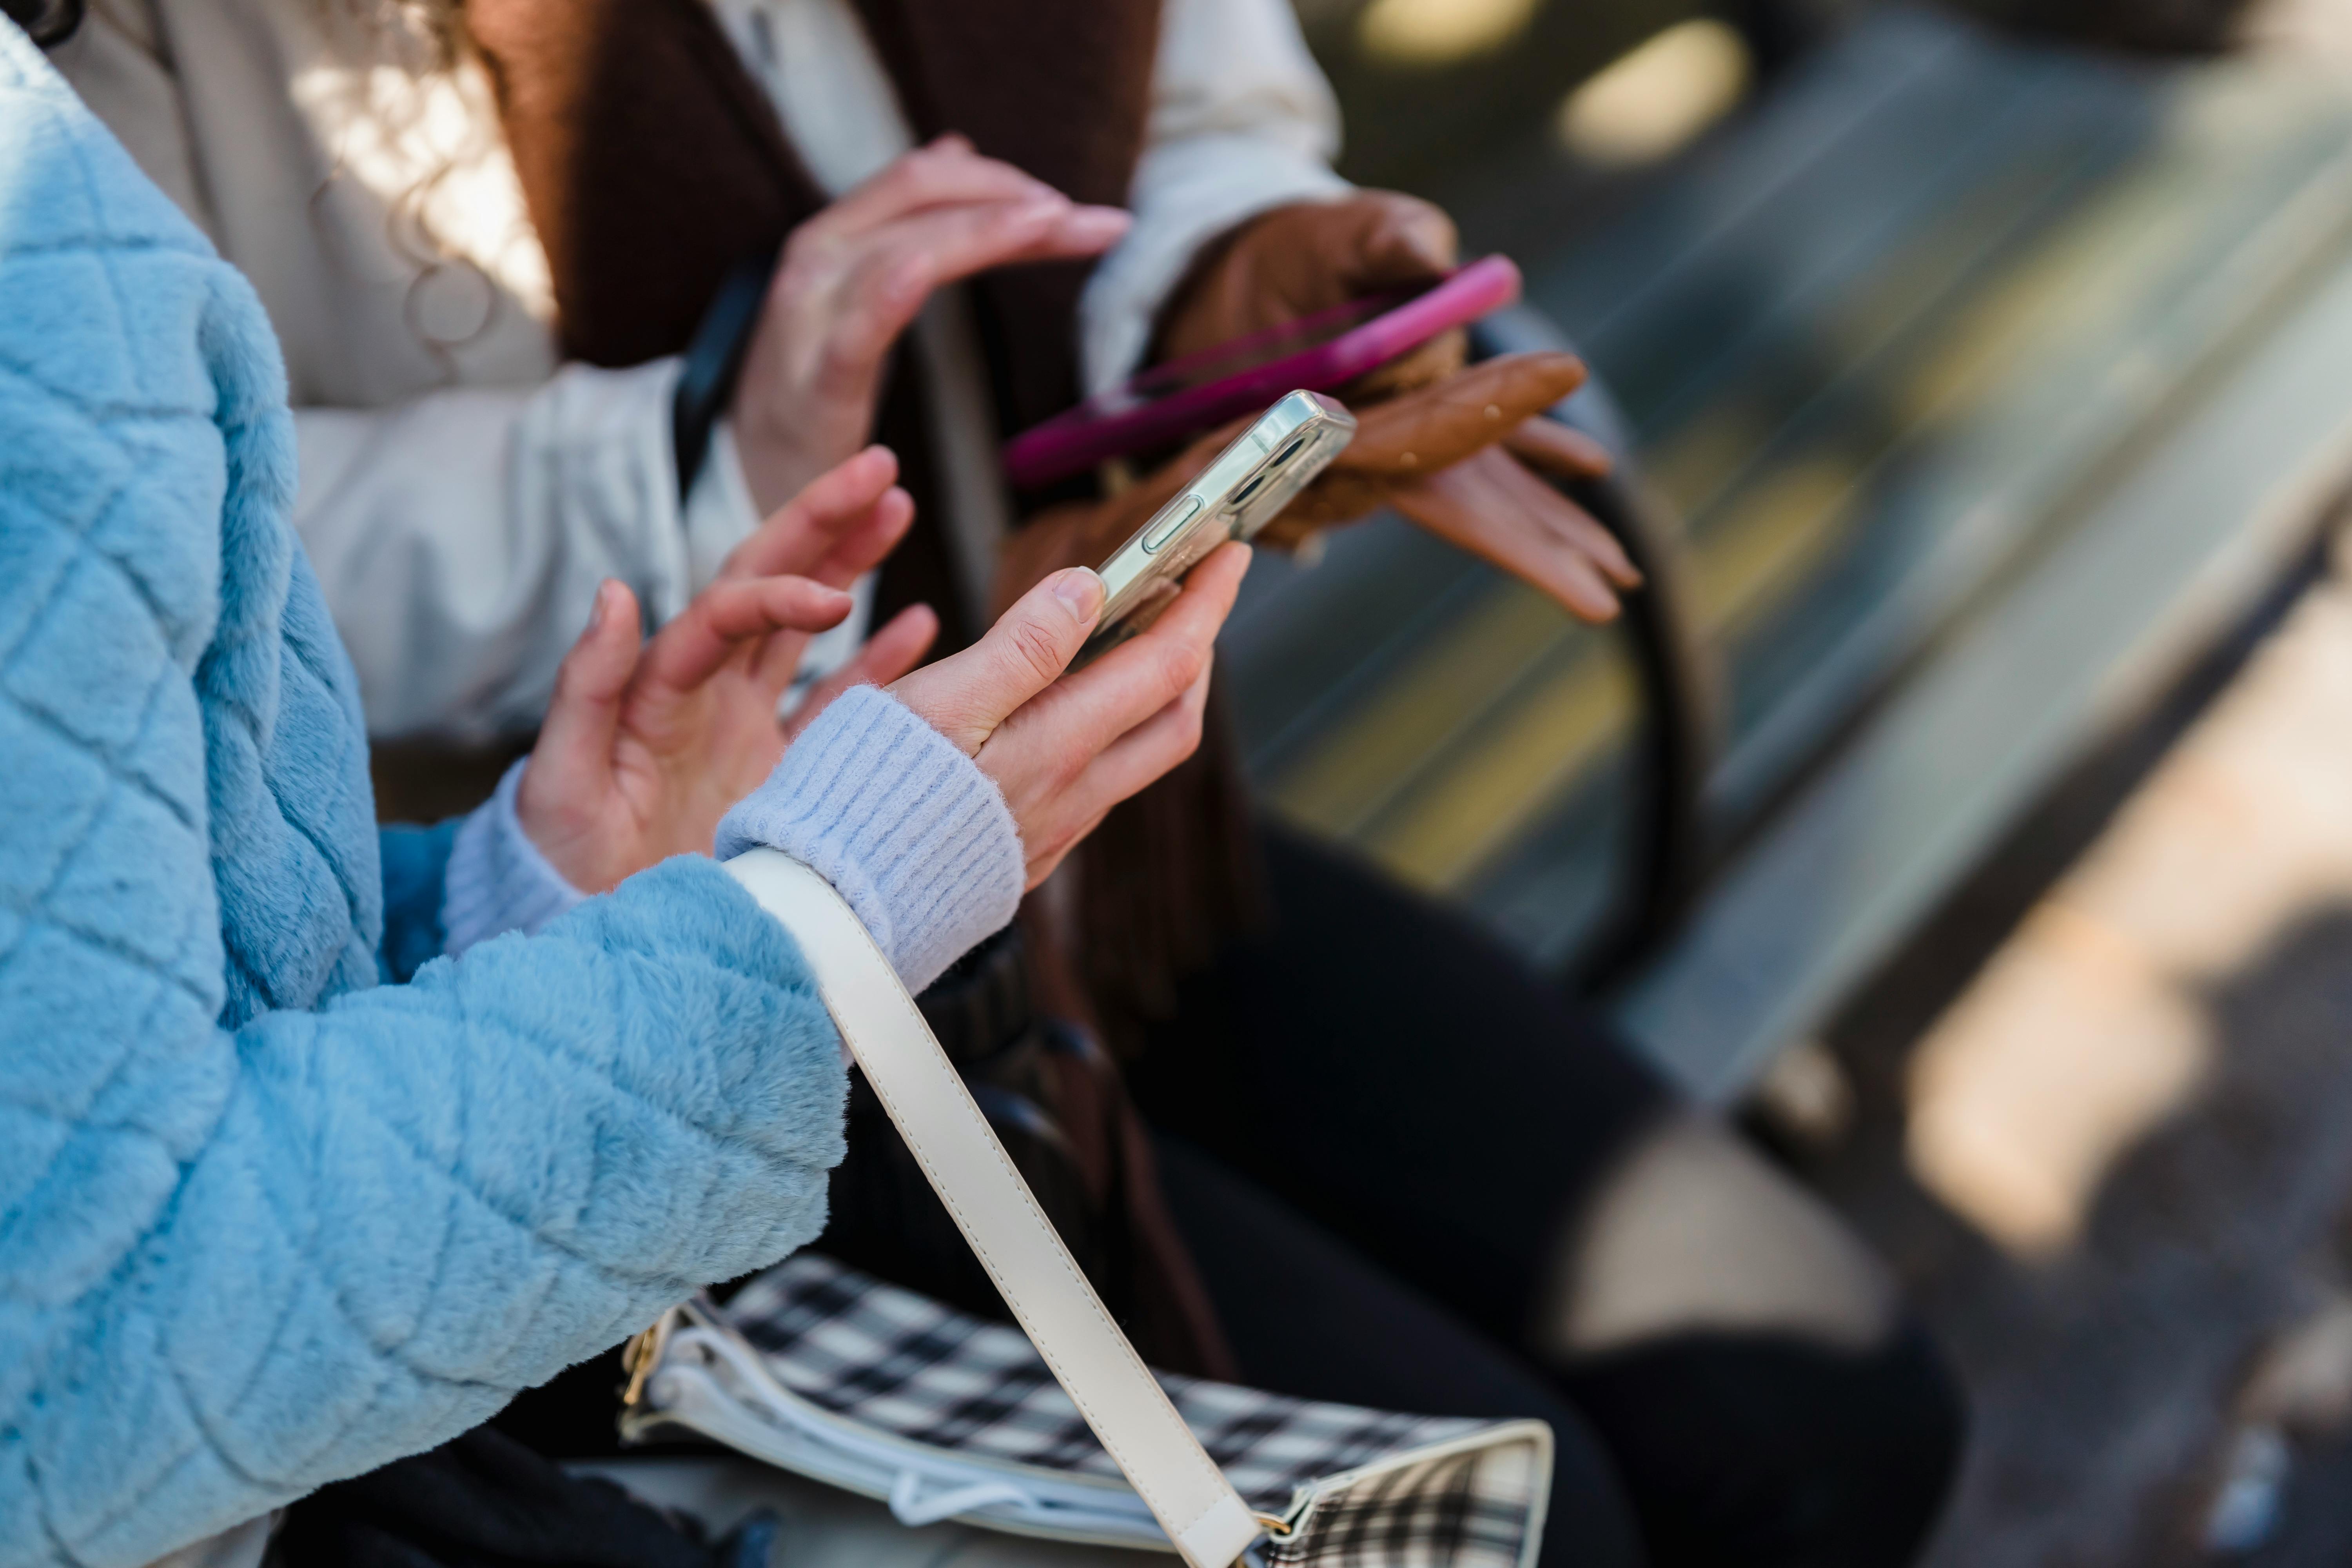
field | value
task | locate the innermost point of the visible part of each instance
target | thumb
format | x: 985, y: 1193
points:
x: 576, y: 741
x: 966, y: 696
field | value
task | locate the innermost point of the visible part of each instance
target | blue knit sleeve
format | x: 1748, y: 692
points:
x: 914, y: 835
x: 416, y: 878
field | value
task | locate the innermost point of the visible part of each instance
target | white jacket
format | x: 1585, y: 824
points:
x: 463, y: 492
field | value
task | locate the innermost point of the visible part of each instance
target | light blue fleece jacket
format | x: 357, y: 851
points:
x: 265, y: 1220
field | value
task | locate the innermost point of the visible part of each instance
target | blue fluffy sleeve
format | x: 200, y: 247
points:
x: 242, y: 1263
x: 416, y: 868
x: 263, y: 1222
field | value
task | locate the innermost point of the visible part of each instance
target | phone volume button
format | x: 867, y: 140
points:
x: 1169, y: 526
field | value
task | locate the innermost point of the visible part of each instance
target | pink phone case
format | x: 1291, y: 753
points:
x: 1127, y: 419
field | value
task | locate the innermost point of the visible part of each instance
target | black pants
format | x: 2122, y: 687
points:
x: 1415, y: 1176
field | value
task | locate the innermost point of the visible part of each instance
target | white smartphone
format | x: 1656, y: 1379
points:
x: 1250, y: 482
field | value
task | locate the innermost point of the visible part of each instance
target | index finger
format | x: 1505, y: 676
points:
x: 805, y: 529
x: 942, y: 173
x: 909, y: 255
x: 726, y: 615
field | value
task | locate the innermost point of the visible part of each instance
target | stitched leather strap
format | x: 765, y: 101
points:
x: 1064, y: 1317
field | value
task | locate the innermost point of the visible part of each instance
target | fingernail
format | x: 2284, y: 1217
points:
x: 1080, y: 593
x: 1104, y: 227
x: 596, y: 610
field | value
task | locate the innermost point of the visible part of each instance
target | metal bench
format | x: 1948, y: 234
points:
x: 1975, y: 385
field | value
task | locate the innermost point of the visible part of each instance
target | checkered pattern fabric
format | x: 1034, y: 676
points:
x: 907, y: 1365
x: 1472, y: 1509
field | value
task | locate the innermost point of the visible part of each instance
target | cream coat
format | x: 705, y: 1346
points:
x: 463, y: 492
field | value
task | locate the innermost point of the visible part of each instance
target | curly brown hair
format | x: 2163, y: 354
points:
x: 425, y: 38
x: 435, y: 28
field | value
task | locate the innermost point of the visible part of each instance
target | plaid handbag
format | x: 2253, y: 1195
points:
x: 1057, y: 1428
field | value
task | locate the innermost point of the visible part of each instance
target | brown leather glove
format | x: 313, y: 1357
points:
x: 1297, y: 261
x: 1452, y: 456
x: 1450, y: 447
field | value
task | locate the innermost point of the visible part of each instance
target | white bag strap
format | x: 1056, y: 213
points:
x: 927, y: 1099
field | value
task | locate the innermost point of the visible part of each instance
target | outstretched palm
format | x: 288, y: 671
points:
x: 649, y: 743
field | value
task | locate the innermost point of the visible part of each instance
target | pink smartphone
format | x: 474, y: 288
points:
x: 1200, y: 392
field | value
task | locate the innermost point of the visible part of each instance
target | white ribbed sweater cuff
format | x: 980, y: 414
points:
x: 905, y: 826
x: 497, y: 880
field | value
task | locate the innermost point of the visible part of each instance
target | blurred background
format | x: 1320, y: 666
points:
x: 1969, y: 807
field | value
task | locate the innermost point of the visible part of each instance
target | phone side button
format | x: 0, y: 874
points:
x: 1167, y: 527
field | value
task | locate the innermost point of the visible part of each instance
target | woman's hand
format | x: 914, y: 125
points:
x: 1459, y: 451
x: 1084, y: 533
x: 1460, y: 457
x: 647, y: 743
x: 1297, y: 261
x: 835, y: 544
x: 1066, y: 749
x: 853, y: 277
